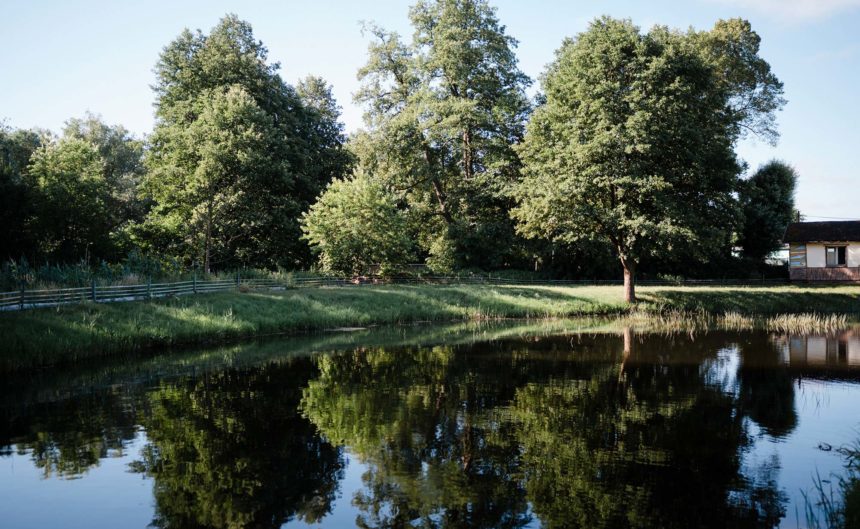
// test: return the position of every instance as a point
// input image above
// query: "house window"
(835, 256)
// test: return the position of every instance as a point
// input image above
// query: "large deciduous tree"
(634, 142)
(123, 169)
(218, 179)
(71, 200)
(17, 194)
(767, 199)
(237, 154)
(443, 113)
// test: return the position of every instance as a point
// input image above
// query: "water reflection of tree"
(575, 430)
(640, 451)
(592, 438)
(68, 437)
(429, 426)
(766, 387)
(228, 449)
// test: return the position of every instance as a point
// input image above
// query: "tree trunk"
(629, 280)
(627, 334)
(208, 243)
(437, 186)
(468, 164)
(440, 197)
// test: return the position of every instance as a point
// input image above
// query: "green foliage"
(237, 154)
(213, 459)
(88, 177)
(634, 142)
(356, 224)
(630, 152)
(443, 114)
(17, 194)
(211, 178)
(754, 93)
(767, 199)
(135, 268)
(123, 167)
(327, 155)
(73, 193)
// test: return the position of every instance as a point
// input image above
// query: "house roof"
(823, 231)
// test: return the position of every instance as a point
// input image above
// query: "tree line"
(626, 154)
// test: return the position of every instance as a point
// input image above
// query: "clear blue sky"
(61, 59)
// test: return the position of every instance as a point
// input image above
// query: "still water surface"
(486, 427)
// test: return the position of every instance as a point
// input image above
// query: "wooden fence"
(25, 299)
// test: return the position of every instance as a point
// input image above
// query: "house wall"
(815, 255)
(853, 256)
(854, 351)
(809, 262)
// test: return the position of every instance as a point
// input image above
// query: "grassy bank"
(77, 331)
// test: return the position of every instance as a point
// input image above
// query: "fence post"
(237, 279)
(21, 303)
(93, 289)
(149, 288)
(194, 282)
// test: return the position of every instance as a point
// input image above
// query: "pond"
(566, 425)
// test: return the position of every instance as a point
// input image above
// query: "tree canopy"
(356, 224)
(237, 154)
(627, 152)
(634, 142)
(443, 113)
(767, 199)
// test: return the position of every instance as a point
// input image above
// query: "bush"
(354, 225)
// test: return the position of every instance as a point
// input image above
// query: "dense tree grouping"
(626, 153)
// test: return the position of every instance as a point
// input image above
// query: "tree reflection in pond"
(68, 437)
(620, 431)
(429, 426)
(596, 436)
(639, 450)
(228, 449)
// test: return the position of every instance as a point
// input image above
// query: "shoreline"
(68, 333)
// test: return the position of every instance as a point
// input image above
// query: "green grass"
(788, 299)
(72, 332)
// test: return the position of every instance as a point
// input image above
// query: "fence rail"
(26, 299)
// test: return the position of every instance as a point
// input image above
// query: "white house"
(824, 251)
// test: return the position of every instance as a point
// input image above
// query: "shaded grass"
(45, 336)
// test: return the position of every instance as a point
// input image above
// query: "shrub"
(356, 224)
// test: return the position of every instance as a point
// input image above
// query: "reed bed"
(676, 320)
(807, 323)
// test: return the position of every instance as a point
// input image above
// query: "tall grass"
(92, 329)
(834, 503)
(807, 323)
(678, 320)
